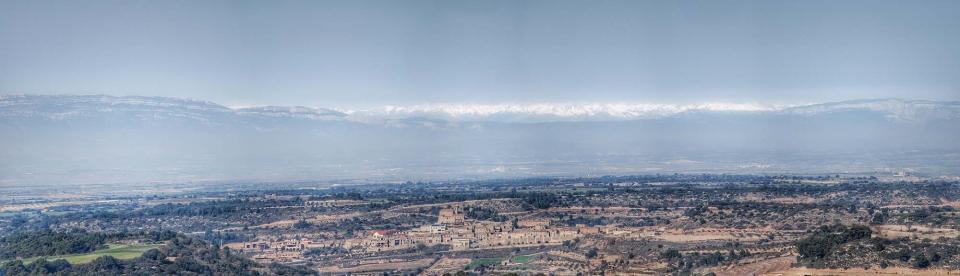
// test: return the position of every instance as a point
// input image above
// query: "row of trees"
(684, 263)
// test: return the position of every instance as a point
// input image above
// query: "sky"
(363, 53)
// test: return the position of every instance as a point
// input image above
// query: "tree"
(822, 242)
(591, 253)
(105, 263)
(58, 265)
(13, 268)
(671, 254)
(858, 232)
(301, 224)
(921, 261)
(153, 254)
(39, 267)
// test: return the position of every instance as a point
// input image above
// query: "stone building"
(451, 216)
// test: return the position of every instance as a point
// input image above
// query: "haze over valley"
(69, 140)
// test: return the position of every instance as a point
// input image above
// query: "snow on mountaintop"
(67, 106)
(552, 112)
(895, 110)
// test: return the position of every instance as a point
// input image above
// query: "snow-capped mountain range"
(548, 112)
(60, 107)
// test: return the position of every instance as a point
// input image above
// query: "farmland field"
(119, 251)
(484, 261)
(521, 259)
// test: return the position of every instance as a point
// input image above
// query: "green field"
(119, 251)
(568, 189)
(484, 261)
(57, 213)
(8, 214)
(520, 259)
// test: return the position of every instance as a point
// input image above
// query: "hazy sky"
(335, 53)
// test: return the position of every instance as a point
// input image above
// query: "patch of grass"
(521, 259)
(119, 251)
(8, 214)
(569, 189)
(57, 213)
(484, 261)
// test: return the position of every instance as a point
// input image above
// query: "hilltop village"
(629, 225)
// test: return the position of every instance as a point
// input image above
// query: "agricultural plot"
(119, 251)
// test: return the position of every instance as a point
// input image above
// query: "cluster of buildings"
(281, 250)
(453, 229)
(333, 203)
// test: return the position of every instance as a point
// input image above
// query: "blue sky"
(358, 53)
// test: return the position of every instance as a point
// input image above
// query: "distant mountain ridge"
(60, 107)
(897, 109)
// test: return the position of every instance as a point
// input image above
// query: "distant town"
(672, 224)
